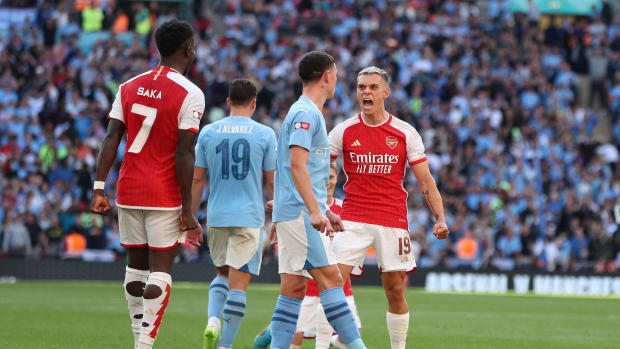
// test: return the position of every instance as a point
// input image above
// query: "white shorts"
(306, 322)
(301, 247)
(240, 248)
(392, 246)
(157, 229)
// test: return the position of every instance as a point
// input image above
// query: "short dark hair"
(313, 64)
(171, 35)
(241, 92)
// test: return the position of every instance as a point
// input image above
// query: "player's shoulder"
(208, 128)
(260, 127)
(302, 108)
(136, 79)
(354, 120)
(265, 130)
(186, 84)
(404, 127)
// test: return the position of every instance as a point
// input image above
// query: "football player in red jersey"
(376, 147)
(160, 110)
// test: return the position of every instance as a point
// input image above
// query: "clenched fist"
(190, 225)
(100, 204)
(440, 230)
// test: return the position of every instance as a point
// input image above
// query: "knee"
(152, 291)
(298, 290)
(222, 271)
(395, 292)
(135, 288)
(333, 280)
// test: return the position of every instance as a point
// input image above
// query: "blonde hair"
(375, 70)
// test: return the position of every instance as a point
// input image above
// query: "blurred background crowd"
(518, 109)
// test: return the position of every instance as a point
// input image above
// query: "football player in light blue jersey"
(236, 151)
(300, 213)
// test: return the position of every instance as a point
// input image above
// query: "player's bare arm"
(432, 197)
(334, 219)
(269, 177)
(301, 177)
(105, 160)
(184, 165)
(197, 186)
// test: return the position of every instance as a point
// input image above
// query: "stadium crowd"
(519, 114)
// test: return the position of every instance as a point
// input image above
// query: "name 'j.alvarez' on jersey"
(375, 159)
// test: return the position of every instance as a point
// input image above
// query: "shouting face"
(372, 90)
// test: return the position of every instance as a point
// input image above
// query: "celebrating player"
(299, 209)
(161, 111)
(236, 150)
(376, 146)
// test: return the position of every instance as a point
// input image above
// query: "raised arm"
(432, 197)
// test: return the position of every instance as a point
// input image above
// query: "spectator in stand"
(500, 100)
(15, 239)
(509, 245)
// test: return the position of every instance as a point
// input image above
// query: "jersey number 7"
(150, 114)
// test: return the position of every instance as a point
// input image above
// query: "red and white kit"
(374, 211)
(154, 106)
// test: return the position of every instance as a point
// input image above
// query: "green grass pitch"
(93, 315)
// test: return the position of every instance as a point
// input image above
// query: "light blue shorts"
(240, 248)
(301, 247)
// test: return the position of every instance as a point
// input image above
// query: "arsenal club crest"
(391, 142)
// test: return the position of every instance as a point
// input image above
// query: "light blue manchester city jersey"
(304, 126)
(235, 151)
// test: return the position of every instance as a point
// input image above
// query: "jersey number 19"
(240, 156)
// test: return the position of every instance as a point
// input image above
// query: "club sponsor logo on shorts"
(302, 125)
(391, 142)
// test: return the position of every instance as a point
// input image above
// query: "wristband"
(99, 185)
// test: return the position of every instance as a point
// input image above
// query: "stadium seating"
(518, 113)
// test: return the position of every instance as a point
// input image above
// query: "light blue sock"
(233, 314)
(340, 317)
(284, 322)
(218, 292)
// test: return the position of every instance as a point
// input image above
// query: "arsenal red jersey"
(154, 106)
(375, 159)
